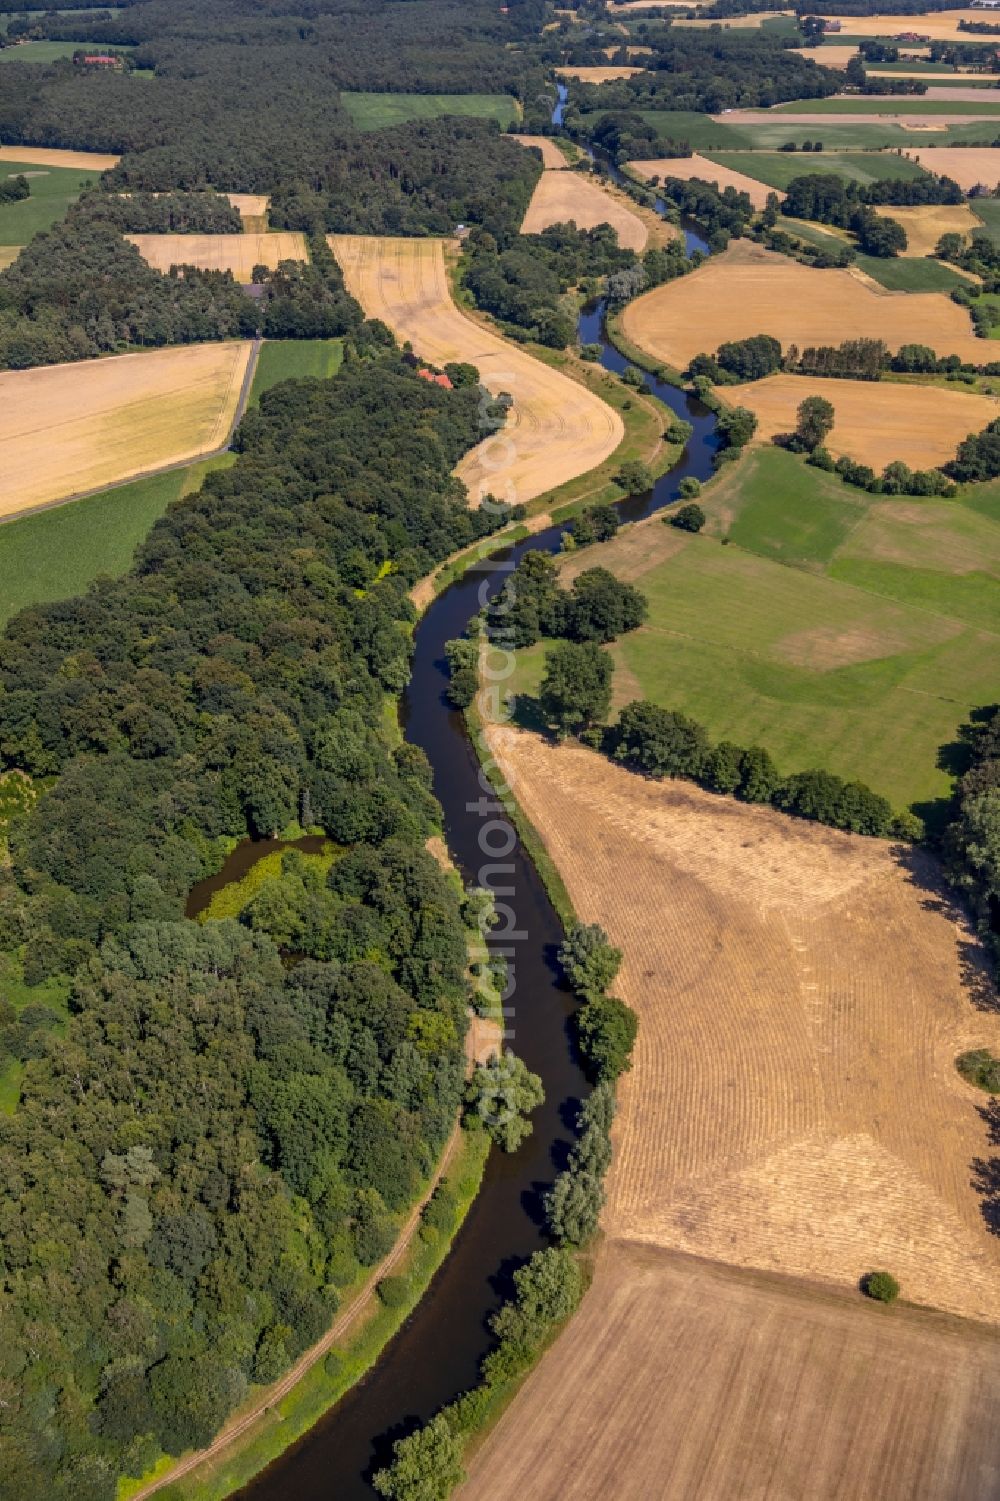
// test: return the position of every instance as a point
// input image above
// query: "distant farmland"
(373, 111)
(238, 253)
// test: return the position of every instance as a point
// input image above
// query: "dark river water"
(437, 1353)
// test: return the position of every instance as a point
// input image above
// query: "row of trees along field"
(213, 1143)
(82, 290)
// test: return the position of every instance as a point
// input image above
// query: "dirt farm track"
(557, 430)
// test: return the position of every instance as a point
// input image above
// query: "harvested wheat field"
(748, 290)
(8, 255)
(876, 421)
(833, 57)
(563, 196)
(252, 209)
(802, 995)
(552, 158)
(686, 167)
(682, 1381)
(926, 224)
(236, 253)
(557, 428)
(46, 156)
(969, 166)
(940, 27)
(597, 75)
(66, 429)
(609, 52)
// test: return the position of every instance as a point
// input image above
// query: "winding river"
(436, 1355)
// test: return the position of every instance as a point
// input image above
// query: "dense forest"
(216, 1142)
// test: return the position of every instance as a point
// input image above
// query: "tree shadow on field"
(924, 872)
(986, 1170)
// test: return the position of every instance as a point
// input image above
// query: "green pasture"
(777, 168)
(910, 273)
(372, 111)
(53, 189)
(57, 553)
(50, 52)
(294, 359)
(988, 209)
(899, 104)
(838, 629)
(840, 134)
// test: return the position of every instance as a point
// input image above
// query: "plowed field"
(564, 196)
(750, 291)
(802, 995)
(876, 422)
(557, 429)
(679, 1381)
(70, 428)
(236, 253)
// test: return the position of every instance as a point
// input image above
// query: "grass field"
(689, 1382)
(294, 359)
(763, 130)
(563, 196)
(238, 253)
(777, 168)
(53, 189)
(876, 422)
(558, 428)
(58, 553)
(47, 52)
(749, 291)
(835, 629)
(373, 111)
(897, 104)
(66, 429)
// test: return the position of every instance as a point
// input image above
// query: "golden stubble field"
(47, 156)
(686, 167)
(749, 290)
(561, 197)
(237, 253)
(682, 1381)
(65, 429)
(927, 222)
(876, 421)
(552, 158)
(802, 995)
(942, 27)
(969, 166)
(557, 429)
(598, 75)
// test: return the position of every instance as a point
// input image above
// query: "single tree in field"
(635, 477)
(589, 959)
(690, 518)
(814, 420)
(576, 688)
(882, 1286)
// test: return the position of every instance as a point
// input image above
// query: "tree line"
(214, 1142)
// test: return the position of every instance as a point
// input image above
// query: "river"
(437, 1353)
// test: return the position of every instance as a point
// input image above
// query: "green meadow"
(49, 52)
(777, 168)
(372, 111)
(839, 630)
(53, 189)
(294, 359)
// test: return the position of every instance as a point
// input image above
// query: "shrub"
(439, 1211)
(606, 1030)
(690, 487)
(393, 1291)
(980, 1068)
(690, 518)
(881, 1286)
